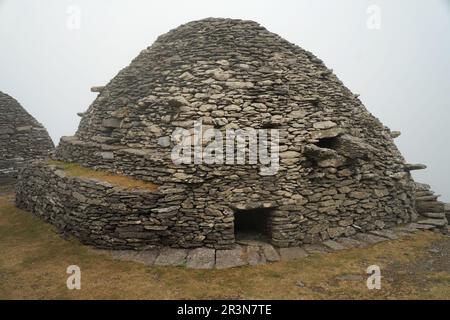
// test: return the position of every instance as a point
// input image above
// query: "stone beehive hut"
(340, 171)
(22, 138)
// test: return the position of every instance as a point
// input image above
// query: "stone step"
(434, 222)
(434, 215)
(428, 197)
(414, 166)
(334, 245)
(419, 194)
(291, 253)
(433, 206)
(422, 186)
(447, 207)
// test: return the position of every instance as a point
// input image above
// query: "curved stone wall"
(22, 138)
(340, 171)
(109, 216)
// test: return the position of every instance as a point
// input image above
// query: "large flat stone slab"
(385, 234)
(292, 253)
(255, 256)
(123, 255)
(350, 243)
(230, 258)
(201, 258)
(334, 245)
(421, 226)
(147, 257)
(434, 222)
(171, 257)
(369, 238)
(270, 253)
(434, 215)
(315, 248)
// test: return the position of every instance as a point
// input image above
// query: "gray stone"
(434, 222)
(270, 253)
(350, 243)
(230, 258)
(171, 257)
(315, 248)
(255, 256)
(147, 257)
(292, 253)
(164, 141)
(433, 215)
(324, 125)
(201, 258)
(339, 169)
(385, 233)
(333, 245)
(369, 238)
(112, 123)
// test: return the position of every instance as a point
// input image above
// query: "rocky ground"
(35, 258)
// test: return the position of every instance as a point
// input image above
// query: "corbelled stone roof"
(340, 171)
(22, 138)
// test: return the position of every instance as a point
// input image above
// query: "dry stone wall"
(340, 171)
(22, 138)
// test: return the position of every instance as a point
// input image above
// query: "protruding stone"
(97, 89)
(417, 166)
(324, 125)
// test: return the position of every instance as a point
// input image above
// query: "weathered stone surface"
(201, 258)
(434, 222)
(270, 253)
(369, 238)
(339, 170)
(22, 138)
(230, 258)
(292, 253)
(434, 215)
(333, 245)
(147, 257)
(255, 256)
(350, 243)
(315, 248)
(171, 257)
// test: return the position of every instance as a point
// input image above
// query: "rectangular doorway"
(254, 224)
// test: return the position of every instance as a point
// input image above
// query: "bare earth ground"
(34, 258)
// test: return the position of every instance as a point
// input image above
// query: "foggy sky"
(401, 71)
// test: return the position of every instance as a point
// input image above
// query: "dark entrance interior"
(253, 224)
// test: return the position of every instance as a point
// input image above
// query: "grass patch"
(34, 260)
(76, 170)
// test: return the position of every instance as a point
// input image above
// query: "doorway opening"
(254, 224)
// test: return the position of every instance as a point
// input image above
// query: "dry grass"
(34, 259)
(75, 170)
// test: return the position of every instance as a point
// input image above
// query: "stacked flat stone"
(22, 138)
(340, 171)
(432, 211)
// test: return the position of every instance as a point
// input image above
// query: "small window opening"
(328, 143)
